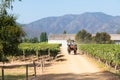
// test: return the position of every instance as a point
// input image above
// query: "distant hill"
(92, 22)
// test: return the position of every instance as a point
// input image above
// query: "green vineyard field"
(39, 49)
(107, 53)
(35, 49)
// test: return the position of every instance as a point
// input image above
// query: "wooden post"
(37, 53)
(49, 52)
(34, 69)
(24, 55)
(26, 72)
(2, 73)
(42, 65)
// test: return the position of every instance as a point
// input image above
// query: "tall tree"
(64, 32)
(83, 37)
(102, 38)
(43, 37)
(10, 32)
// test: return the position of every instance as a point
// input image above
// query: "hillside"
(92, 22)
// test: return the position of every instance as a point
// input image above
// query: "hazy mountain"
(92, 22)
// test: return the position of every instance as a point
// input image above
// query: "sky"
(28, 11)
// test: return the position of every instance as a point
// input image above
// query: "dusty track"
(75, 67)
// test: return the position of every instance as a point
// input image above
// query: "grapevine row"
(39, 49)
(107, 53)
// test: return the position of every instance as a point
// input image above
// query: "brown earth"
(75, 67)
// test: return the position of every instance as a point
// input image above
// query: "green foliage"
(31, 40)
(6, 4)
(25, 40)
(39, 48)
(10, 31)
(1, 51)
(43, 37)
(64, 32)
(118, 31)
(10, 34)
(83, 37)
(107, 53)
(102, 38)
(35, 40)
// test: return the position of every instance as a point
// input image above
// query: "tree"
(43, 37)
(30, 40)
(25, 39)
(64, 32)
(1, 51)
(83, 37)
(10, 34)
(6, 4)
(34, 40)
(102, 38)
(118, 31)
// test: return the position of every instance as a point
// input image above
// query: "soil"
(75, 67)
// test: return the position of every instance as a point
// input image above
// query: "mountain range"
(92, 22)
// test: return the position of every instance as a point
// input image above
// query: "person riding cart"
(72, 46)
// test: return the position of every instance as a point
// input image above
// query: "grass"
(14, 74)
(17, 73)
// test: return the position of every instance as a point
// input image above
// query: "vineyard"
(35, 49)
(107, 53)
(39, 49)
(32, 55)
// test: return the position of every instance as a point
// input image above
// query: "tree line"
(99, 38)
(43, 38)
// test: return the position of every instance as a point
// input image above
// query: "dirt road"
(75, 67)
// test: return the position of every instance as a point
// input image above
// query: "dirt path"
(75, 67)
